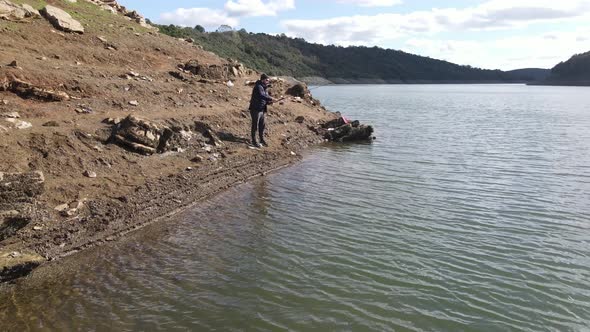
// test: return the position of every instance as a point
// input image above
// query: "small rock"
(197, 159)
(83, 109)
(62, 207)
(133, 74)
(50, 124)
(90, 174)
(11, 115)
(13, 64)
(207, 149)
(102, 39)
(37, 228)
(15, 254)
(293, 153)
(133, 103)
(4, 102)
(76, 205)
(97, 148)
(299, 119)
(189, 168)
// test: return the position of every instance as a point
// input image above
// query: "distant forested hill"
(281, 55)
(575, 71)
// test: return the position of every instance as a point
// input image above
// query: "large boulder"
(141, 136)
(13, 12)
(61, 20)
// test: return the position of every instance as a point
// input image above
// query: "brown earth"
(115, 62)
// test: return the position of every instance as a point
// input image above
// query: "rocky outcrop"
(141, 136)
(115, 8)
(13, 12)
(28, 90)
(61, 19)
(215, 72)
(18, 198)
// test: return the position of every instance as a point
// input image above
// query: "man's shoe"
(256, 145)
(263, 143)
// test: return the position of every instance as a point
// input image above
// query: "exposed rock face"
(12, 12)
(28, 90)
(61, 20)
(215, 72)
(141, 136)
(18, 195)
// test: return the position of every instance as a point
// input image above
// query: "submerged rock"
(342, 130)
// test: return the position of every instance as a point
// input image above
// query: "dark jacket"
(260, 98)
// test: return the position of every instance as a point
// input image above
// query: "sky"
(491, 34)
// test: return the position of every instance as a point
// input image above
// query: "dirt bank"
(62, 95)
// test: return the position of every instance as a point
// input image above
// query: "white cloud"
(209, 18)
(524, 51)
(257, 7)
(494, 14)
(373, 3)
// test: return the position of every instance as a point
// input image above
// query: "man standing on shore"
(258, 104)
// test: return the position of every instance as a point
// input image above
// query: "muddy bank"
(106, 130)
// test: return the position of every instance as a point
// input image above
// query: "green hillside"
(575, 71)
(281, 55)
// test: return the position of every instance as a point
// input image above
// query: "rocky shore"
(107, 126)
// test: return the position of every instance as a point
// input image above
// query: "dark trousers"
(257, 124)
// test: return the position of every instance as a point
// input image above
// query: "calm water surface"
(471, 212)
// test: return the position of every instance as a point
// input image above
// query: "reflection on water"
(470, 212)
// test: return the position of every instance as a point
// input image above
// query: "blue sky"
(493, 34)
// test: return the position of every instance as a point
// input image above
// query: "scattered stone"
(133, 103)
(4, 102)
(61, 19)
(293, 153)
(300, 119)
(89, 174)
(189, 168)
(97, 148)
(37, 228)
(13, 64)
(207, 149)
(133, 74)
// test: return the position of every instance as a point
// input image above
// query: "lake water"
(471, 212)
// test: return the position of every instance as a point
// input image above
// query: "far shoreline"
(321, 81)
